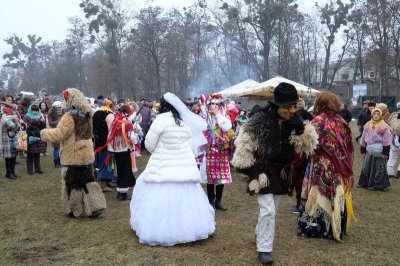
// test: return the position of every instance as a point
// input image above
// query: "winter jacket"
(34, 126)
(265, 147)
(172, 158)
(363, 117)
(346, 114)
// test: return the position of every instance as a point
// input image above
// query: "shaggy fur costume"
(264, 149)
(394, 122)
(81, 195)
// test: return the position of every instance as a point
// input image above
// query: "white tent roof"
(266, 89)
(242, 86)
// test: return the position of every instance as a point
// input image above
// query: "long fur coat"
(81, 194)
(264, 149)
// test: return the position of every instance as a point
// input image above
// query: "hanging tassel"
(349, 208)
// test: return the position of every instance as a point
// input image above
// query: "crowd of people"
(282, 148)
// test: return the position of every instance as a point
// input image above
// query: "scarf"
(31, 115)
(77, 113)
(335, 139)
(118, 128)
(375, 124)
(107, 106)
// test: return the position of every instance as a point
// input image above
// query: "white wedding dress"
(170, 213)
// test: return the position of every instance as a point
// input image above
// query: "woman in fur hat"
(81, 194)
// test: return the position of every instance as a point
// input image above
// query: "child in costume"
(81, 194)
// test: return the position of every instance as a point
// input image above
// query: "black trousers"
(124, 169)
(33, 159)
(214, 192)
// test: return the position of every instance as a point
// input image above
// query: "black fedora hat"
(285, 94)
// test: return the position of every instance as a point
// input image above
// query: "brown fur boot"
(104, 187)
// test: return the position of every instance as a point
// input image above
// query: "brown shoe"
(104, 187)
(107, 189)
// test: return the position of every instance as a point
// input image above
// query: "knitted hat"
(285, 94)
(57, 104)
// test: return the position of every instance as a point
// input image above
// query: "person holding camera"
(35, 123)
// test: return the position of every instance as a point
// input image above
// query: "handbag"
(21, 141)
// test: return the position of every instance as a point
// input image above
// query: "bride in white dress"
(168, 204)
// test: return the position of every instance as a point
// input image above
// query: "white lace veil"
(196, 124)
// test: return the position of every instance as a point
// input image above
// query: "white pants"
(394, 152)
(265, 229)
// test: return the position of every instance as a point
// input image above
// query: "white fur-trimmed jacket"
(172, 158)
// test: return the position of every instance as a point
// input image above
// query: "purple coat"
(145, 124)
(34, 127)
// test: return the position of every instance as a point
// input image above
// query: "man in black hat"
(264, 149)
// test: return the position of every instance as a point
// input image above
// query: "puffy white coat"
(172, 158)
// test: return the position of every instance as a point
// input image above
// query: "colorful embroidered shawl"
(335, 140)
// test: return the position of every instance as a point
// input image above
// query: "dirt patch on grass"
(6, 232)
(38, 253)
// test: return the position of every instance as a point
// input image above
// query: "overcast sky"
(49, 18)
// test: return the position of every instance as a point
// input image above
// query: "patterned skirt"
(217, 166)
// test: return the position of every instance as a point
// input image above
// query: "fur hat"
(74, 99)
(383, 107)
(285, 94)
(300, 104)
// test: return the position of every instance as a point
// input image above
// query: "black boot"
(218, 197)
(13, 163)
(122, 196)
(36, 160)
(265, 257)
(9, 174)
(211, 194)
(57, 163)
(29, 163)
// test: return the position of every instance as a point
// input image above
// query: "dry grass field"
(34, 231)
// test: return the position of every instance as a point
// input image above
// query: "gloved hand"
(33, 139)
(297, 123)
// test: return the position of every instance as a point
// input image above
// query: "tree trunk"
(326, 65)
